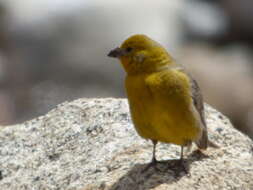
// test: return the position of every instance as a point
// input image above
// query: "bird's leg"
(180, 164)
(153, 161)
(182, 154)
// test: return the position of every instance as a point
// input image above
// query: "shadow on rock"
(166, 172)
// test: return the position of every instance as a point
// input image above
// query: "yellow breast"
(159, 116)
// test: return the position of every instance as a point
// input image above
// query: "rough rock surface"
(91, 144)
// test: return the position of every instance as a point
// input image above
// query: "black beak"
(117, 52)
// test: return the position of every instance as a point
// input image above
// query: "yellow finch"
(165, 102)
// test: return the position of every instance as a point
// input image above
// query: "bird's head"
(140, 54)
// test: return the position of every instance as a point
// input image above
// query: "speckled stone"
(91, 144)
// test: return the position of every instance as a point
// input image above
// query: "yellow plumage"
(160, 105)
(165, 102)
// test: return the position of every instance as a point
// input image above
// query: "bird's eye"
(129, 49)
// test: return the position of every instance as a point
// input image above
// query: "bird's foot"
(179, 166)
(152, 164)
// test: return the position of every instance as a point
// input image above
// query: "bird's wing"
(197, 98)
(198, 104)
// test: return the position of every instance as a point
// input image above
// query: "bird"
(165, 101)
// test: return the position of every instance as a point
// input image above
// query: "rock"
(91, 144)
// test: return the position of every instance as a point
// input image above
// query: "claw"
(152, 164)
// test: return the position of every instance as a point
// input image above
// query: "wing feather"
(197, 98)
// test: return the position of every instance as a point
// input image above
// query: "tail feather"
(212, 144)
(202, 143)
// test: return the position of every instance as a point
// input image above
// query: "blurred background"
(55, 51)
